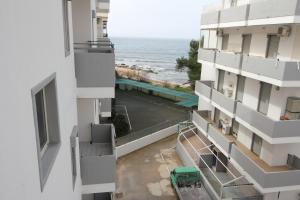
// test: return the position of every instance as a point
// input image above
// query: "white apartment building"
(57, 80)
(249, 92)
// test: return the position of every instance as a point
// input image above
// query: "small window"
(42, 119)
(45, 110)
(66, 27)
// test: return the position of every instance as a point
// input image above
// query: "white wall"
(87, 114)
(210, 39)
(251, 93)
(208, 72)
(235, 42)
(258, 45)
(32, 48)
(245, 136)
(278, 100)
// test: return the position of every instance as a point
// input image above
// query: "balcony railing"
(98, 157)
(210, 18)
(204, 88)
(95, 64)
(100, 46)
(208, 55)
(222, 140)
(247, 11)
(272, 128)
(274, 8)
(229, 59)
(235, 14)
(265, 176)
(202, 119)
(271, 68)
(223, 102)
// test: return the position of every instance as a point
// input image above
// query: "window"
(66, 27)
(264, 97)
(45, 110)
(42, 120)
(273, 44)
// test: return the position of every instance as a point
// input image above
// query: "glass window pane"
(41, 118)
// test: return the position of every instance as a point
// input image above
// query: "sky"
(156, 18)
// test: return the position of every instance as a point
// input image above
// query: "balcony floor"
(95, 149)
(259, 161)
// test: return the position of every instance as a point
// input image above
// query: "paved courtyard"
(144, 175)
(148, 113)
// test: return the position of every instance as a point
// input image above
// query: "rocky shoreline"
(141, 74)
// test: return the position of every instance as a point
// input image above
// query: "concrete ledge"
(144, 141)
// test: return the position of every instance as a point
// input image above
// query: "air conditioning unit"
(220, 33)
(284, 31)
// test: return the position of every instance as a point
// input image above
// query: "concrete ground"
(148, 113)
(144, 175)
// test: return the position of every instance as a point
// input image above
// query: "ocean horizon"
(156, 54)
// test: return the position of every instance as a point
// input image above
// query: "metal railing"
(220, 186)
(95, 46)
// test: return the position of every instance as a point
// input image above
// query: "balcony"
(266, 176)
(95, 64)
(280, 73)
(98, 158)
(273, 9)
(273, 129)
(225, 104)
(208, 55)
(222, 140)
(229, 61)
(202, 120)
(220, 178)
(234, 16)
(210, 19)
(204, 88)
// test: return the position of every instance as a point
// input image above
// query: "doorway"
(246, 44)
(273, 45)
(256, 144)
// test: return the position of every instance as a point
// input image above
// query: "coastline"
(138, 74)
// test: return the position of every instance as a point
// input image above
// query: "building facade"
(249, 92)
(58, 81)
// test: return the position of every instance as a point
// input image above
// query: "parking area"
(148, 114)
(144, 174)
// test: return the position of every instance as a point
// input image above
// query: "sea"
(157, 55)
